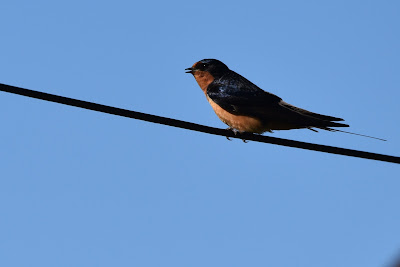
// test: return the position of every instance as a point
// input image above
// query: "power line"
(194, 126)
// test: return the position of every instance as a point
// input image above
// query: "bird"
(245, 107)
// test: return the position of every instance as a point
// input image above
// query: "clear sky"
(81, 188)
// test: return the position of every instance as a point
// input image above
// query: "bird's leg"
(235, 131)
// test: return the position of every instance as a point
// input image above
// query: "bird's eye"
(203, 66)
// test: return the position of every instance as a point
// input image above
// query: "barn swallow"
(245, 107)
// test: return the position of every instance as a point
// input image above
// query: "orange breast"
(239, 122)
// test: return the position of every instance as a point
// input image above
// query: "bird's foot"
(235, 131)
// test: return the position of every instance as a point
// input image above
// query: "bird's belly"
(239, 122)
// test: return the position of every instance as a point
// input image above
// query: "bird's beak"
(189, 70)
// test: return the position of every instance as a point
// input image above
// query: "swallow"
(245, 107)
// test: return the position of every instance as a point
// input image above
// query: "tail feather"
(309, 113)
(335, 124)
(336, 130)
(320, 121)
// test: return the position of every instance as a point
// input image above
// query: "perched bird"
(244, 107)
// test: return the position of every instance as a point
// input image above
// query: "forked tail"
(335, 130)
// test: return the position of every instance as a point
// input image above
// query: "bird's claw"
(235, 131)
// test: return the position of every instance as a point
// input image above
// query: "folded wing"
(239, 96)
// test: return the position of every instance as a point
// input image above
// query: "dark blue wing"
(239, 96)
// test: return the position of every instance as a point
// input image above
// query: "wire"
(194, 126)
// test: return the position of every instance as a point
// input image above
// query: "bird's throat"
(203, 78)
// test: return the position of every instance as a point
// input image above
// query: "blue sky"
(80, 188)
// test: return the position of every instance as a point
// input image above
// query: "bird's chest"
(239, 122)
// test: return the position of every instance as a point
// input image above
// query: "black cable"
(194, 126)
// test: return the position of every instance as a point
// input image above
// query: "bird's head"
(215, 67)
